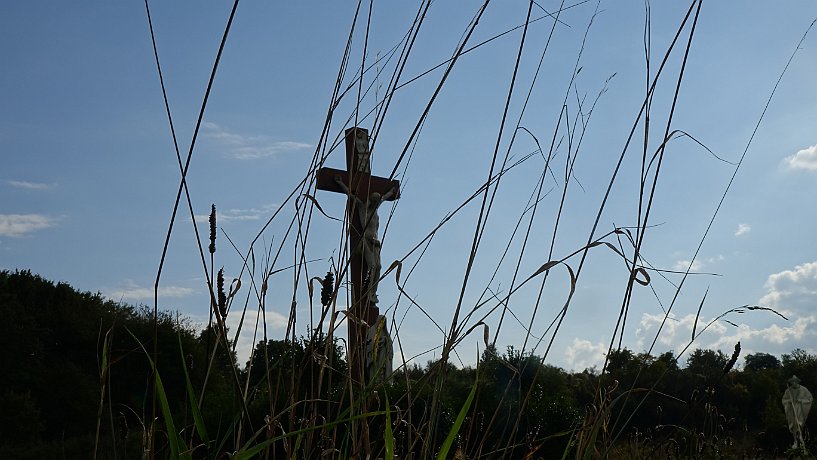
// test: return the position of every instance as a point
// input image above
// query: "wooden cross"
(365, 193)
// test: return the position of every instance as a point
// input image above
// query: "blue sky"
(90, 175)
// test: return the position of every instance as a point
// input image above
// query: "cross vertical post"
(365, 193)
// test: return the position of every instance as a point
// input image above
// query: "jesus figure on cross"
(369, 247)
(365, 193)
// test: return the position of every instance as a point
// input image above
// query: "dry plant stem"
(430, 235)
(505, 309)
(437, 90)
(569, 174)
(551, 154)
(720, 203)
(363, 57)
(484, 42)
(110, 399)
(261, 296)
(183, 182)
(568, 165)
(642, 226)
(414, 30)
(737, 167)
(477, 193)
(104, 367)
(444, 78)
(309, 179)
(647, 52)
(536, 197)
(380, 108)
(537, 189)
(563, 312)
(513, 138)
(303, 183)
(482, 214)
(386, 58)
(641, 230)
(484, 210)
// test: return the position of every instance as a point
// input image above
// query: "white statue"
(369, 247)
(379, 352)
(797, 403)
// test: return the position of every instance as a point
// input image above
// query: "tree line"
(77, 378)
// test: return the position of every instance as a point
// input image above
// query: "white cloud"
(683, 265)
(583, 354)
(248, 147)
(250, 333)
(133, 291)
(29, 185)
(774, 334)
(698, 264)
(275, 320)
(743, 229)
(239, 214)
(676, 333)
(805, 159)
(250, 322)
(793, 293)
(16, 225)
(792, 290)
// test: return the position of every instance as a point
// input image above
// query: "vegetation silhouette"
(53, 343)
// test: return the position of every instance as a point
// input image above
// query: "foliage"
(761, 361)
(299, 403)
(51, 344)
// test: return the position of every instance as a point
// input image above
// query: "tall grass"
(308, 403)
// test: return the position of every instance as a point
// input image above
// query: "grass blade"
(173, 438)
(389, 441)
(249, 451)
(449, 440)
(201, 429)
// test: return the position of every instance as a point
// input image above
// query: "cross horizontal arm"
(364, 185)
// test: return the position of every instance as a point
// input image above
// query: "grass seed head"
(213, 229)
(222, 297)
(327, 288)
(732, 360)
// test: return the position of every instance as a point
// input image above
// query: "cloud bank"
(677, 332)
(248, 147)
(683, 265)
(26, 185)
(792, 290)
(17, 225)
(583, 354)
(239, 214)
(743, 229)
(133, 291)
(276, 323)
(805, 159)
(698, 264)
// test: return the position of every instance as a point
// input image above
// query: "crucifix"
(365, 194)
